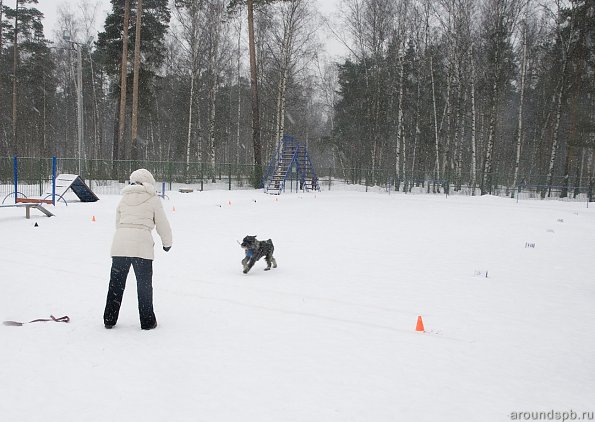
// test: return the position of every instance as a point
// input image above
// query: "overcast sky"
(50, 9)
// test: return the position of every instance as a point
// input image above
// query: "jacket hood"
(142, 176)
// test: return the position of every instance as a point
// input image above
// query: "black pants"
(143, 269)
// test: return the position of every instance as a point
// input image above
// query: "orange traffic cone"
(420, 324)
(93, 219)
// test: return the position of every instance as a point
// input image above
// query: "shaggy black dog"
(255, 250)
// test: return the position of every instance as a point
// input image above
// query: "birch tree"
(190, 15)
(217, 52)
(290, 42)
(521, 101)
(400, 40)
(2, 131)
(565, 43)
(370, 24)
(500, 18)
(473, 166)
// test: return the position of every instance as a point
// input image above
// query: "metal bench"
(28, 204)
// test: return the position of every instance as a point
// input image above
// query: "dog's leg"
(245, 262)
(250, 265)
(270, 260)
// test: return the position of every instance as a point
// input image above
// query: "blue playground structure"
(290, 167)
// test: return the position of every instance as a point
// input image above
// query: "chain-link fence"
(530, 187)
(109, 176)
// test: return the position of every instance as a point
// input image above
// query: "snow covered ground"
(329, 335)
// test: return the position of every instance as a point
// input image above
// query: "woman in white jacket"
(139, 211)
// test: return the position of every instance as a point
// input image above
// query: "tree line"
(475, 93)
(481, 93)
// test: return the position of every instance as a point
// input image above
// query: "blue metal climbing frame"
(290, 166)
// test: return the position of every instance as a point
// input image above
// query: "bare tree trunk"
(96, 136)
(459, 149)
(486, 184)
(446, 167)
(199, 145)
(520, 115)
(567, 163)
(118, 147)
(239, 93)
(283, 75)
(591, 172)
(115, 152)
(473, 129)
(137, 42)
(417, 130)
(458, 129)
(255, 108)
(554, 150)
(213, 72)
(152, 134)
(565, 52)
(281, 106)
(399, 125)
(190, 111)
(437, 141)
(44, 126)
(369, 114)
(404, 161)
(581, 171)
(281, 86)
(2, 103)
(212, 97)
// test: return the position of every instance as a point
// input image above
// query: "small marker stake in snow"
(173, 209)
(530, 245)
(93, 219)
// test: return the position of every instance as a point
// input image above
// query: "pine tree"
(155, 21)
(26, 73)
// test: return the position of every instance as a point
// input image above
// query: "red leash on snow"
(65, 318)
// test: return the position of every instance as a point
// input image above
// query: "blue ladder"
(290, 162)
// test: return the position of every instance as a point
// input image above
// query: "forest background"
(481, 93)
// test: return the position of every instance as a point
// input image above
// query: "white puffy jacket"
(139, 211)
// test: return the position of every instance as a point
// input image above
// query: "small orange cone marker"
(93, 219)
(420, 324)
(174, 209)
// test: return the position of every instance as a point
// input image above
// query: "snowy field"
(329, 335)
